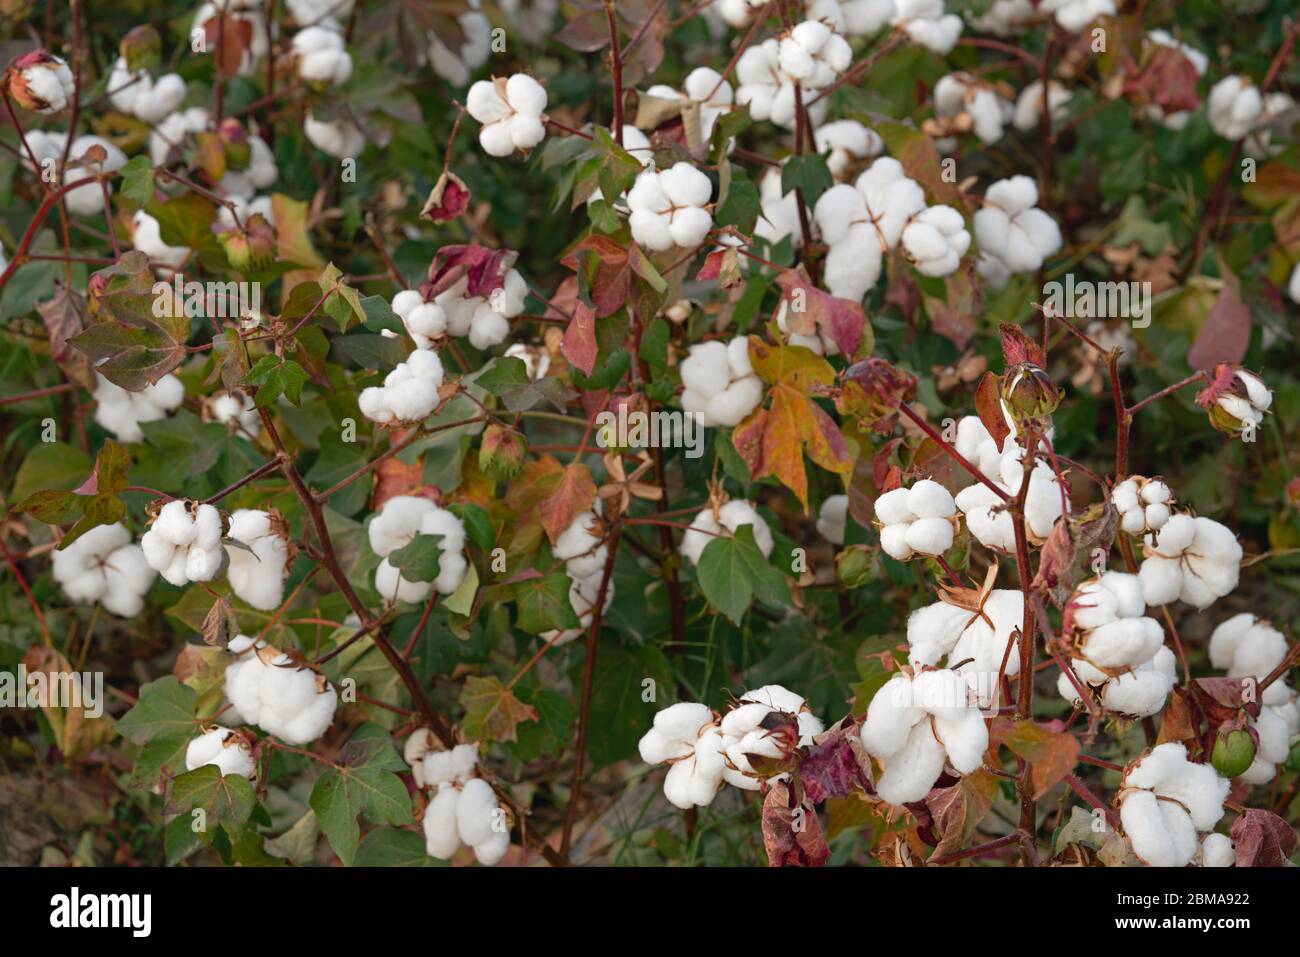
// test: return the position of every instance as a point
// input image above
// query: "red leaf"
(580, 338)
(485, 269)
(1168, 80)
(574, 494)
(792, 836)
(1017, 347)
(1225, 334)
(988, 404)
(1262, 839)
(839, 319)
(832, 769)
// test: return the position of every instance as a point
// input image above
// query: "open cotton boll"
(1217, 851)
(104, 566)
(674, 732)
(409, 393)
(916, 519)
(122, 412)
(441, 827)
(455, 766)
(925, 23)
(1004, 18)
(184, 542)
(268, 689)
(41, 82)
(397, 523)
(704, 86)
(1139, 693)
(476, 811)
(1234, 107)
(1012, 230)
(705, 527)
(846, 142)
(780, 212)
(1248, 646)
(991, 524)
(935, 240)
(536, 360)
(402, 518)
(1275, 727)
(974, 644)
(813, 54)
(511, 111)
(768, 90)
(960, 95)
(236, 411)
(341, 138)
(258, 570)
(456, 64)
(738, 13)
(977, 446)
(685, 736)
(261, 173)
(891, 197)
(668, 207)
(852, 18)
(146, 236)
(854, 261)
(1193, 559)
(1105, 624)
(1163, 833)
(226, 749)
(424, 321)
(1074, 15)
(720, 387)
(832, 518)
(322, 56)
(171, 133)
(1029, 105)
(1293, 287)
(1143, 504)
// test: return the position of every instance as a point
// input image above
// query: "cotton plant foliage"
(824, 432)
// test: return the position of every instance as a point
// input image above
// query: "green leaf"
(418, 561)
(227, 799)
(275, 376)
(807, 173)
(137, 181)
(478, 525)
(363, 784)
(503, 375)
(491, 709)
(741, 207)
(389, 847)
(543, 603)
(163, 722)
(52, 506)
(732, 570)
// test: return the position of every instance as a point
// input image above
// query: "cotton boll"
(511, 111)
(911, 772)
(736, 513)
(1074, 15)
(1247, 646)
(718, 390)
(322, 56)
(1217, 851)
(1163, 832)
(668, 207)
(184, 542)
(223, 748)
(258, 570)
(935, 240)
(926, 24)
(890, 717)
(494, 849)
(832, 518)
(455, 65)
(846, 142)
(146, 236)
(409, 392)
(1194, 559)
(1293, 286)
(341, 139)
(1234, 107)
(441, 828)
(853, 267)
(1161, 836)
(475, 812)
(1012, 230)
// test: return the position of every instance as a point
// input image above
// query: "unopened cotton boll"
(1234, 107)
(1144, 504)
(322, 56)
(935, 240)
(832, 518)
(1074, 15)
(1239, 406)
(341, 138)
(227, 750)
(925, 23)
(409, 393)
(706, 527)
(511, 111)
(1012, 230)
(104, 566)
(146, 236)
(668, 208)
(1163, 833)
(456, 65)
(915, 726)
(1194, 559)
(846, 142)
(122, 412)
(720, 387)
(257, 571)
(1029, 105)
(184, 542)
(142, 96)
(916, 520)
(243, 184)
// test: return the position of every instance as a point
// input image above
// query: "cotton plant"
(920, 520)
(257, 557)
(1166, 801)
(926, 24)
(409, 394)
(268, 688)
(705, 87)
(512, 113)
(1144, 504)
(463, 808)
(917, 725)
(230, 752)
(1237, 401)
(725, 521)
(104, 565)
(1247, 646)
(184, 542)
(123, 412)
(1014, 235)
(1193, 559)
(582, 548)
(321, 56)
(720, 385)
(669, 208)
